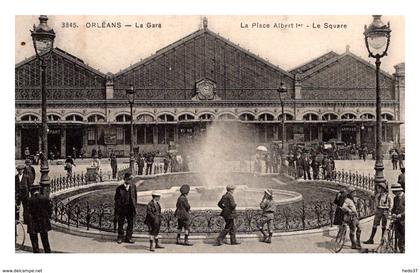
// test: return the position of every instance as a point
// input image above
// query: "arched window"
(53, 117)
(227, 116)
(348, 116)
(166, 118)
(29, 118)
(265, 117)
(329, 116)
(286, 116)
(367, 116)
(123, 118)
(74, 118)
(185, 117)
(247, 117)
(145, 118)
(310, 116)
(206, 117)
(387, 116)
(96, 118)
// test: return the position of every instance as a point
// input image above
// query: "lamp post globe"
(377, 39)
(43, 41)
(130, 92)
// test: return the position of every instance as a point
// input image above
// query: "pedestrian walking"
(114, 165)
(29, 170)
(140, 164)
(22, 187)
(39, 214)
(339, 201)
(125, 208)
(153, 221)
(306, 164)
(149, 163)
(166, 163)
(182, 212)
(228, 206)
(395, 158)
(398, 213)
(268, 207)
(401, 178)
(27, 153)
(382, 208)
(68, 166)
(74, 153)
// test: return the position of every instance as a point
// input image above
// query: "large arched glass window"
(74, 117)
(206, 117)
(145, 118)
(310, 116)
(166, 118)
(265, 117)
(123, 118)
(96, 118)
(29, 118)
(367, 116)
(329, 116)
(247, 117)
(348, 116)
(286, 116)
(185, 117)
(387, 116)
(227, 116)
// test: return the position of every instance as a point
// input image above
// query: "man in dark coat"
(339, 201)
(125, 208)
(39, 214)
(182, 212)
(22, 186)
(29, 170)
(401, 178)
(398, 213)
(306, 162)
(153, 220)
(140, 164)
(114, 165)
(228, 206)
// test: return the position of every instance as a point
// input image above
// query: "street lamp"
(377, 38)
(130, 95)
(282, 90)
(43, 41)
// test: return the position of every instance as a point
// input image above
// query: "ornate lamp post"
(43, 40)
(130, 95)
(282, 90)
(377, 38)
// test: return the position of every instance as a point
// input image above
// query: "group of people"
(125, 211)
(385, 209)
(316, 163)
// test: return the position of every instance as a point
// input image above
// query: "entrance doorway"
(29, 138)
(74, 138)
(348, 135)
(54, 142)
(329, 132)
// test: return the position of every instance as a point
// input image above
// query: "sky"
(112, 49)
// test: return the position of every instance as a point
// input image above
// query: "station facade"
(196, 81)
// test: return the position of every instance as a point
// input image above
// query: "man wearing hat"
(39, 214)
(228, 206)
(401, 178)
(351, 218)
(125, 207)
(29, 170)
(398, 213)
(153, 220)
(182, 212)
(22, 187)
(382, 208)
(268, 206)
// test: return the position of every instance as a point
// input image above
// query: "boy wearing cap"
(125, 208)
(228, 206)
(398, 213)
(382, 208)
(39, 214)
(351, 218)
(153, 220)
(268, 206)
(182, 212)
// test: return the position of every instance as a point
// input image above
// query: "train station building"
(198, 80)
